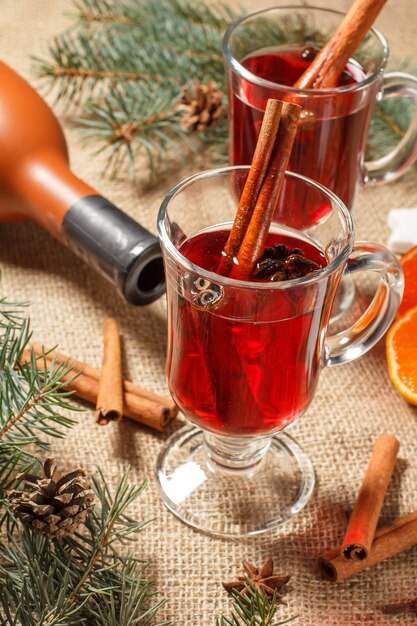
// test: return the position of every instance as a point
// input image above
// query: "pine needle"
(390, 118)
(253, 608)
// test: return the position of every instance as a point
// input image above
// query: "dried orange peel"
(401, 348)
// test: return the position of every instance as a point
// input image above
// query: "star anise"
(263, 580)
(282, 263)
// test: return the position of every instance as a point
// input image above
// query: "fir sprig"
(86, 578)
(83, 579)
(104, 12)
(120, 73)
(134, 124)
(253, 608)
(390, 118)
(12, 314)
(164, 42)
(31, 399)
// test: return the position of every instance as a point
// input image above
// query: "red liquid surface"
(331, 137)
(250, 364)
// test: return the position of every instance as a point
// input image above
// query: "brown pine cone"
(202, 108)
(55, 508)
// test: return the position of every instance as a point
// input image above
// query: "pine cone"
(55, 508)
(202, 107)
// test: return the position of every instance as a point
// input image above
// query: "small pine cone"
(55, 508)
(202, 108)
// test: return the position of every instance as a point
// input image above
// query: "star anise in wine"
(282, 263)
(263, 579)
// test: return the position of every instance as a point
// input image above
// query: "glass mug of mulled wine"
(265, 53)
(244, 356)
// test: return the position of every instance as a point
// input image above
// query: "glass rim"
(246, 284)
(245, 73)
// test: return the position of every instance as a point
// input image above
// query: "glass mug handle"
(397, 161)
(368, 329)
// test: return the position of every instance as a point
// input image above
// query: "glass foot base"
(228, 503)
(344, 298)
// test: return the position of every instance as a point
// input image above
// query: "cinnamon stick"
(93, 372)
(260, 161)
(143, 410)
(330, 62)
(257, 231)
(364, 519)
(389, 541)
(109, 406)
(402, 607)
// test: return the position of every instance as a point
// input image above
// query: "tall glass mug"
(244, 357)
(266, 52)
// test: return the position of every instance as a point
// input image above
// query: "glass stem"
(238, 455)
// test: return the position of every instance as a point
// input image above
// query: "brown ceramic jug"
(36, 183)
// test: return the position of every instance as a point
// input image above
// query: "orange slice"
(401, 346)
(409, 265)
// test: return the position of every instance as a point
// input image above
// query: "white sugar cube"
(403, 224)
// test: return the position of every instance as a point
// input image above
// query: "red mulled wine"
(331, 134)
(249, 362)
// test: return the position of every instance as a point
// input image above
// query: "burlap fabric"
(353, 405)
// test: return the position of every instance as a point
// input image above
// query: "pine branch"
(129, 12)
(253, 608)
(168, 46)
(128, 101)
(11, 314)
(390, 119)
(82, 68)
(128, 126)
(82, 579)
(127, 52)
(30, 398)
(101, 12)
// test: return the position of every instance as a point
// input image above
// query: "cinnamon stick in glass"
(257, 230)
(330, 62)
(155, 414)
(109, 406)
(364, 519)
(260, 162)
(389, 541)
